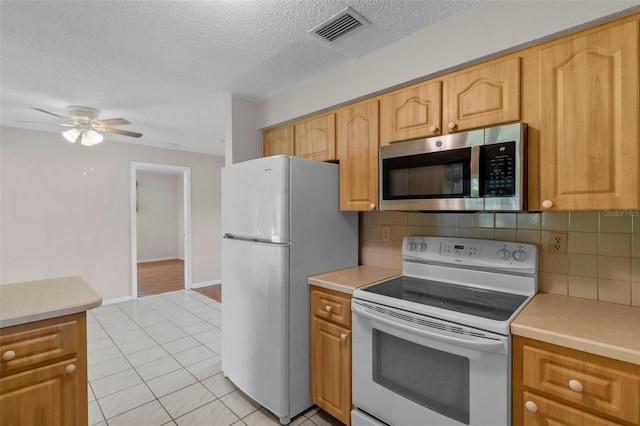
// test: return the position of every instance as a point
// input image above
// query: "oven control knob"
(412, 246)
(422, 246)
(531, 406)
(520, 255)
(504, 254)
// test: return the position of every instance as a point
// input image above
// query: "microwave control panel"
(499, 177)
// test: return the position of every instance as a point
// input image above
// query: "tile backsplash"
(602, 259)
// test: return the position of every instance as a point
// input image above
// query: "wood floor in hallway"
(160, 277)
(211, 291)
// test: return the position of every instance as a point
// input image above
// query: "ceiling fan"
(86, 127)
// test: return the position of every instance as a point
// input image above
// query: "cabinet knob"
(452, 125)
(531, 406)
(8, 355)
(576, 385)
(372, 206)
(547, 204)
(433, 129)
(327, 308)
(70, 368)
(343, 336)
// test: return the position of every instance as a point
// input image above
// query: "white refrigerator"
(282, 223)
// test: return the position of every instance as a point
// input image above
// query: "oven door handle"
(487, 345)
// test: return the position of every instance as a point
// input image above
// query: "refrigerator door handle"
(251, 239)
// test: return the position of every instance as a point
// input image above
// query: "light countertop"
(600, 328)
(43, 299)
(347, 280)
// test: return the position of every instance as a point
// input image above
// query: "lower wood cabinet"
(331, 352)
(554, 385)
(43, 369)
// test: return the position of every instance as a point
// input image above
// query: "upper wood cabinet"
(315, 138)
(411, 113)
(357, 141)
(589, 157)
(486, 95)
(278, 141)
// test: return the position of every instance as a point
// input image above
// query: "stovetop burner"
(489, 304)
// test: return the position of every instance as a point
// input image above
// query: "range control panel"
(471, 252)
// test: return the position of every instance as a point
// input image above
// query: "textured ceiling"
(166, 66)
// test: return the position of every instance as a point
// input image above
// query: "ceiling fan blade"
(50, 113)
(111, 122)
(121, 132)
(43, 122)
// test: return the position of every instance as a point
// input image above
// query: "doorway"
(160, 232)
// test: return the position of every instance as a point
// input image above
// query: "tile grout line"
(169, 355)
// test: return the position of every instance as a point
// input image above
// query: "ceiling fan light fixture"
(90, 137)
(71, 135)
(87, 137)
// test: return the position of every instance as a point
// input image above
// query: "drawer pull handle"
(576, 385)
(343, 336)
(70, 368)
(8, 355)
(531, 406)
(327, 308)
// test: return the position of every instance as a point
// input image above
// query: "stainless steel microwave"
(470, 171)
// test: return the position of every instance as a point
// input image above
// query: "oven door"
(414, 370)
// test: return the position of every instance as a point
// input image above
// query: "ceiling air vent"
(347, 21)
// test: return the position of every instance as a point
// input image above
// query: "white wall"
(483, 29)
(159, 205)
(242, 140)
(65, 209)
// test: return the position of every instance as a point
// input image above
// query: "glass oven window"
(432, 378)
(443, 174)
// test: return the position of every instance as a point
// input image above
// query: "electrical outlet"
(558, 243)
(386, 233)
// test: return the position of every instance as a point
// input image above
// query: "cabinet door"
(485, 96)
(357, 139)
(278, 141)
(316, 138)
(411, 113)
(43, 396)
(331, 368)
(589, 121)
(541, 411)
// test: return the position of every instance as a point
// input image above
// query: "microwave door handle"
(487, 345)
(475, 172)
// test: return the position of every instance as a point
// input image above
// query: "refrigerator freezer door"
(255, 199)
(255, 321)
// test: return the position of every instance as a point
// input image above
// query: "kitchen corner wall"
(603, 251)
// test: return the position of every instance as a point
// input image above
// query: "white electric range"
(433, 347)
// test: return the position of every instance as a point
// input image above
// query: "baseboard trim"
(117, 300)
(158, 259)
(206, 283)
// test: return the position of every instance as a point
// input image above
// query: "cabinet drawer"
(331, 306)
(23, 347)
(595, 387)
(547, 412)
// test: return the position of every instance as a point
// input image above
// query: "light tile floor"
(157, 361)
